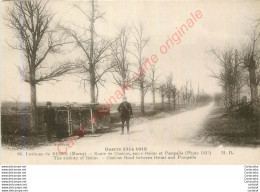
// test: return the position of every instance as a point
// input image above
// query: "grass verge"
(221, 128)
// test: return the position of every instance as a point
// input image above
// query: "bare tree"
(185, 93)
(168, 88)
(250, 58)
(139, 44)
(94, 49)
(119, 50)
(174, 95)
(230, 77)
(154, 82)
(32, 22)
(178, 94)
(162, 93)
(171, 91)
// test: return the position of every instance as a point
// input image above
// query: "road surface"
(173, 134)
(172, 130)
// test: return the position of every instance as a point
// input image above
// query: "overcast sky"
(223, 23)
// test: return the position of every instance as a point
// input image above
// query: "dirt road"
(168, 140)
(173, 130)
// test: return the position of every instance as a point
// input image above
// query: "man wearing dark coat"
(49, 119)
(125, 110)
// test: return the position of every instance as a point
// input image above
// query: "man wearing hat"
(125, 109)
(49, 119)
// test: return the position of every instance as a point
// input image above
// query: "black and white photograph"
(130, 82)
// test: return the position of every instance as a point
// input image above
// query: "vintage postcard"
(130, 82)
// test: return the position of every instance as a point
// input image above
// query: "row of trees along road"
(184, 96)
(240, 69)
(39, 36)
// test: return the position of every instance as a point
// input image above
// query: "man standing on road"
(125, 109)
(49, 119)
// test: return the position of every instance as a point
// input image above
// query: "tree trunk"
(153, 86)
(96, 99)
(254, 95)
(178, 100)
(253, 84)
(162, 98)
(169, 101)
(174, 102)
(92, 88)
(123, 83)
(34, 114)
(91, 63)
(142, 98)
(153, 97)
(174, 99)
